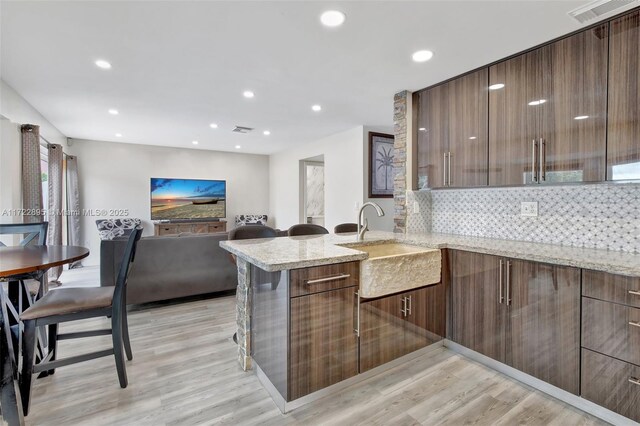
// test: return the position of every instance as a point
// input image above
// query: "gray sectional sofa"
(169, 267)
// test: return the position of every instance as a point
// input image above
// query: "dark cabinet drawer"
(611, 383)
(610, 287)
(611, 329)
(323, 278)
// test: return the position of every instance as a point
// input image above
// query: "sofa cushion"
(114, 228)
(251, 219)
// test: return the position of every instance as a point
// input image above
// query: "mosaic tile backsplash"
(603, 216)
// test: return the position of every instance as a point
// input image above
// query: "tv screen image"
(173, 199)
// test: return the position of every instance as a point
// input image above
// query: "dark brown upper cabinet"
(452, 133)
(623, 156)
(433, 136)
(548, 112)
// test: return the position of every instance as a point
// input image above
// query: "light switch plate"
(416, 207)
(529, 209)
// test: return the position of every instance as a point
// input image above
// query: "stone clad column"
(243, 313)
(400, 112)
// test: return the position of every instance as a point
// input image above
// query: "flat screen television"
(188, 199)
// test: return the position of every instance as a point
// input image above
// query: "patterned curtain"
(54, 237)
(73, 204)
(31, 173)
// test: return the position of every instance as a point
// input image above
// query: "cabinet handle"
(327, 279)
(635, 292)
(634, 323)
(500, 271)
(444, 169)
(534, 173)
(508, 282)
(409, 299)
(634, 381)
(542, 176)
(403, 308)
(449, 170)
(356, 328)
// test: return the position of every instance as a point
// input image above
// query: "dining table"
(18, 263)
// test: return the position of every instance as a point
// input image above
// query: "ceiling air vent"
(241, 129)
(598, 9)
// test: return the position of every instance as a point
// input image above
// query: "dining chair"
(10, 399)
(345, 227)
(250, 232)
(307, 229)
(72, 304)
(21, 294)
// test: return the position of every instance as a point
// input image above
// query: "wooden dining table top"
(21, 260)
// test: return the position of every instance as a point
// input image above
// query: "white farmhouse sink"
(395, 267)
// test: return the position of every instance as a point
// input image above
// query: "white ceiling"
(178, 66)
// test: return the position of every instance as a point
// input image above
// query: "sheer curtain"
(54, 237)
(73, 204)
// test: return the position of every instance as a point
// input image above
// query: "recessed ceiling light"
(496, 86)
(422, 129)
(248, 94)
(472, 137)
(332, 18)
(266, 133)
(113, 111)
(538, 102)
(238, 147)
(101, 63)
(581, 117)
(194, 142)
(118, 135)
(213, 125)
(422, 56)
(316, 108)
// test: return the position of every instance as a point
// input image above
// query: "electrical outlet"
(416, 207)
(529, 209)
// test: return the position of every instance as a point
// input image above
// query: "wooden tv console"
(191, 227)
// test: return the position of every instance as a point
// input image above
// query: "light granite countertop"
(276, 254)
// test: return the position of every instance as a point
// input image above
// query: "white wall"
(116, 176)
(14, 111)
(18, 110)
(384, 223)
(343, 153)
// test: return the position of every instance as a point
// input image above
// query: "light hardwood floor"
(184, 372)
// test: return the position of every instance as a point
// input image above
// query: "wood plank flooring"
(184, 372)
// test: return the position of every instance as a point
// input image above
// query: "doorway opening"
(312, 188)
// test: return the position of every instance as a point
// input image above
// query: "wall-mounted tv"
(188, 199)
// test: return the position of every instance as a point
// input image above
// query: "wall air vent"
(241, 129)
(600, 9)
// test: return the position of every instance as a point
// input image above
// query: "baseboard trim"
(288, 406)
(560, 394)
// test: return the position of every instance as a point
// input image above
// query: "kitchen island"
(306, 341)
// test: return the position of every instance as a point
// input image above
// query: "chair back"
(11, 399)
(248, 232)
(345, 227)
(34, 233)
(307, 229)
(127, 259)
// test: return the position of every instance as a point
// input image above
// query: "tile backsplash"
(604, 216)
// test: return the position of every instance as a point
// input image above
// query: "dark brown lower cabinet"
(611, 383)
(543, 337)
(323, 348)
(399, 324)
(525, 314)
(478, 316)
